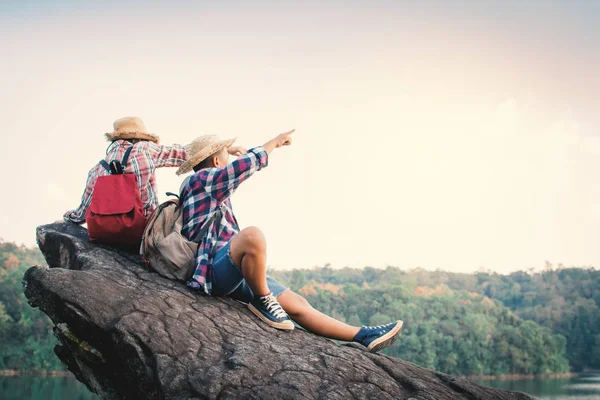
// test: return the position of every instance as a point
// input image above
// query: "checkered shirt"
(204, 193)
(145, 157)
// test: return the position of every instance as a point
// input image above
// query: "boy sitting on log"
(232, 262)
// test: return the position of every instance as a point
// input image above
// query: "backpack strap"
(114, 167)
(126, 156)
(105, 165)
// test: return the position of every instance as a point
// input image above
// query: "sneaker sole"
(386, 340)
(277, 325)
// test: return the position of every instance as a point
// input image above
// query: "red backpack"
(116, 215)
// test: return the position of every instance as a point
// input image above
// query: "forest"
(531, 323)
(26, 336)
(486, 323)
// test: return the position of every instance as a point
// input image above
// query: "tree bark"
(128, 333)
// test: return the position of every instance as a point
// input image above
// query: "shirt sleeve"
(78, 215)
(220, 183)
(167, 156)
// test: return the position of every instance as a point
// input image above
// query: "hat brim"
(112, 136)
(206, 152)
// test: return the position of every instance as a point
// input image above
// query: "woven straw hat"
(130, 128)
(202, 148)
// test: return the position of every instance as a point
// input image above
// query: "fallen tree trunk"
(128, 333)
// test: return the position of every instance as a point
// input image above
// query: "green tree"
(25, 333)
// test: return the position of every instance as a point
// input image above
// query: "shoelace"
(377, 327)
(273, 306)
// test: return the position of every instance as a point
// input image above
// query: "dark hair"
(206, 163)
(132, 141)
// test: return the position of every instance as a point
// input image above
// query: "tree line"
(527, 322)
(462, 324)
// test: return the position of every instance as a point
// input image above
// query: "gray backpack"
(163, 249)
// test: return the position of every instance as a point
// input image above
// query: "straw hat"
(130, 128)
(202, 148)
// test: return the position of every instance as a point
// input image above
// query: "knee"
(254, 240)
(297, 306)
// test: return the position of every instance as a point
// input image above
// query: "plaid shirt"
(145, 157)
(202, 195)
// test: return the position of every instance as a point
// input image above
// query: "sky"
(459, 135)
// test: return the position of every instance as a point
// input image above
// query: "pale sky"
(456, 135)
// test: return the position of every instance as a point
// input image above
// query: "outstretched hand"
(284, 139)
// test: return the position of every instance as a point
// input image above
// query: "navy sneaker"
(376, 338)
(269, 310)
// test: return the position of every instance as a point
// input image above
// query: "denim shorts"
(227, 279)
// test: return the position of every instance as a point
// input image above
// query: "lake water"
(582, 387)
(43, 387)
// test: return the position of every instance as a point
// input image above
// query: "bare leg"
(313, 320)
(248, 251)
